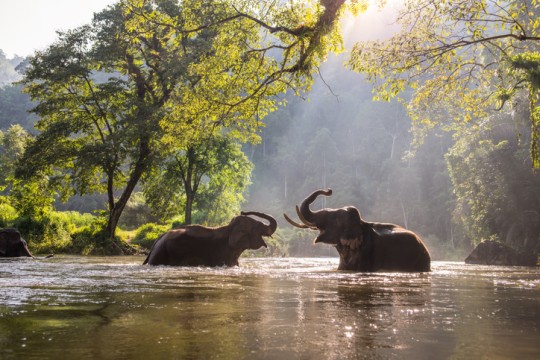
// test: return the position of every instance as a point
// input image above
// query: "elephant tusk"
(293, 223)
(303, 219)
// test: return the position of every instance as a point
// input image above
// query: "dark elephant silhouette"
(364, 246)
(12, 244)
(196, 245)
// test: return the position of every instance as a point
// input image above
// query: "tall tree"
(176, 71)
(201, 176)
(464, 59)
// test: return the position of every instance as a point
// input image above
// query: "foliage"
(136, 213)
(12, 145)
(46, 233)
(8, 214)
(34, 197)
(33, 203)
(50, 233)
(175, 73)
(528, 66)
(92, 240)
(147, 234)
(73, 219)
(209, 176)
(497, 196)
(460, 57)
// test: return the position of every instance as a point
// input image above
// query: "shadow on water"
(115, 308)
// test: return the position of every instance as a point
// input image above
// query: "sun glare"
(377, 22)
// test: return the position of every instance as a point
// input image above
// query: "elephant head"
(336, 226)
(247, 233)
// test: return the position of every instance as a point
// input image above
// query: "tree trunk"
(136, 173)
(189, 208)
(188, 187)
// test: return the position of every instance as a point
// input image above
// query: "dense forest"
(455, 185)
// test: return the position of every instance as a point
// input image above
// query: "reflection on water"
(271, 308)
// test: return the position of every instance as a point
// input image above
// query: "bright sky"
(29, 25)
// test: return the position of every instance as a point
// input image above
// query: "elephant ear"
(238, 239)
(239, 233)
(353, 234)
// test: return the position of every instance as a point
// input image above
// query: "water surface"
(268, 308)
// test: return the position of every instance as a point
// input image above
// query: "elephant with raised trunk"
(363, 246)
(196, 245)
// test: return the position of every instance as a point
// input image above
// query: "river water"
(72, 307)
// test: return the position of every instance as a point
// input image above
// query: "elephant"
(197, 245)
(363, 246)
(13, 245)
(491, 252)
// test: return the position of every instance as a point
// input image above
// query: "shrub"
(92, 240)
(44, 234)
(87, 240)
(176, 222)
(8, 214)
(147, 234)
(73, 219)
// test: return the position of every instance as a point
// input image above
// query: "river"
(73, 307)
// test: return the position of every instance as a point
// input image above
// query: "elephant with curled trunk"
(363, 246)
(196, 245)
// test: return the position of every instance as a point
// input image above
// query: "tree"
(175, 72)
(202, 176)
(464, 59)
(8, 71)
(29, 197)
(498, 197)
(12, 145)
(14, 107)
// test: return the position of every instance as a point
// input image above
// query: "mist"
(337, 137)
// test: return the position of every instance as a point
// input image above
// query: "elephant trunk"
(24, 249)
(271, 227)
(312, 217)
